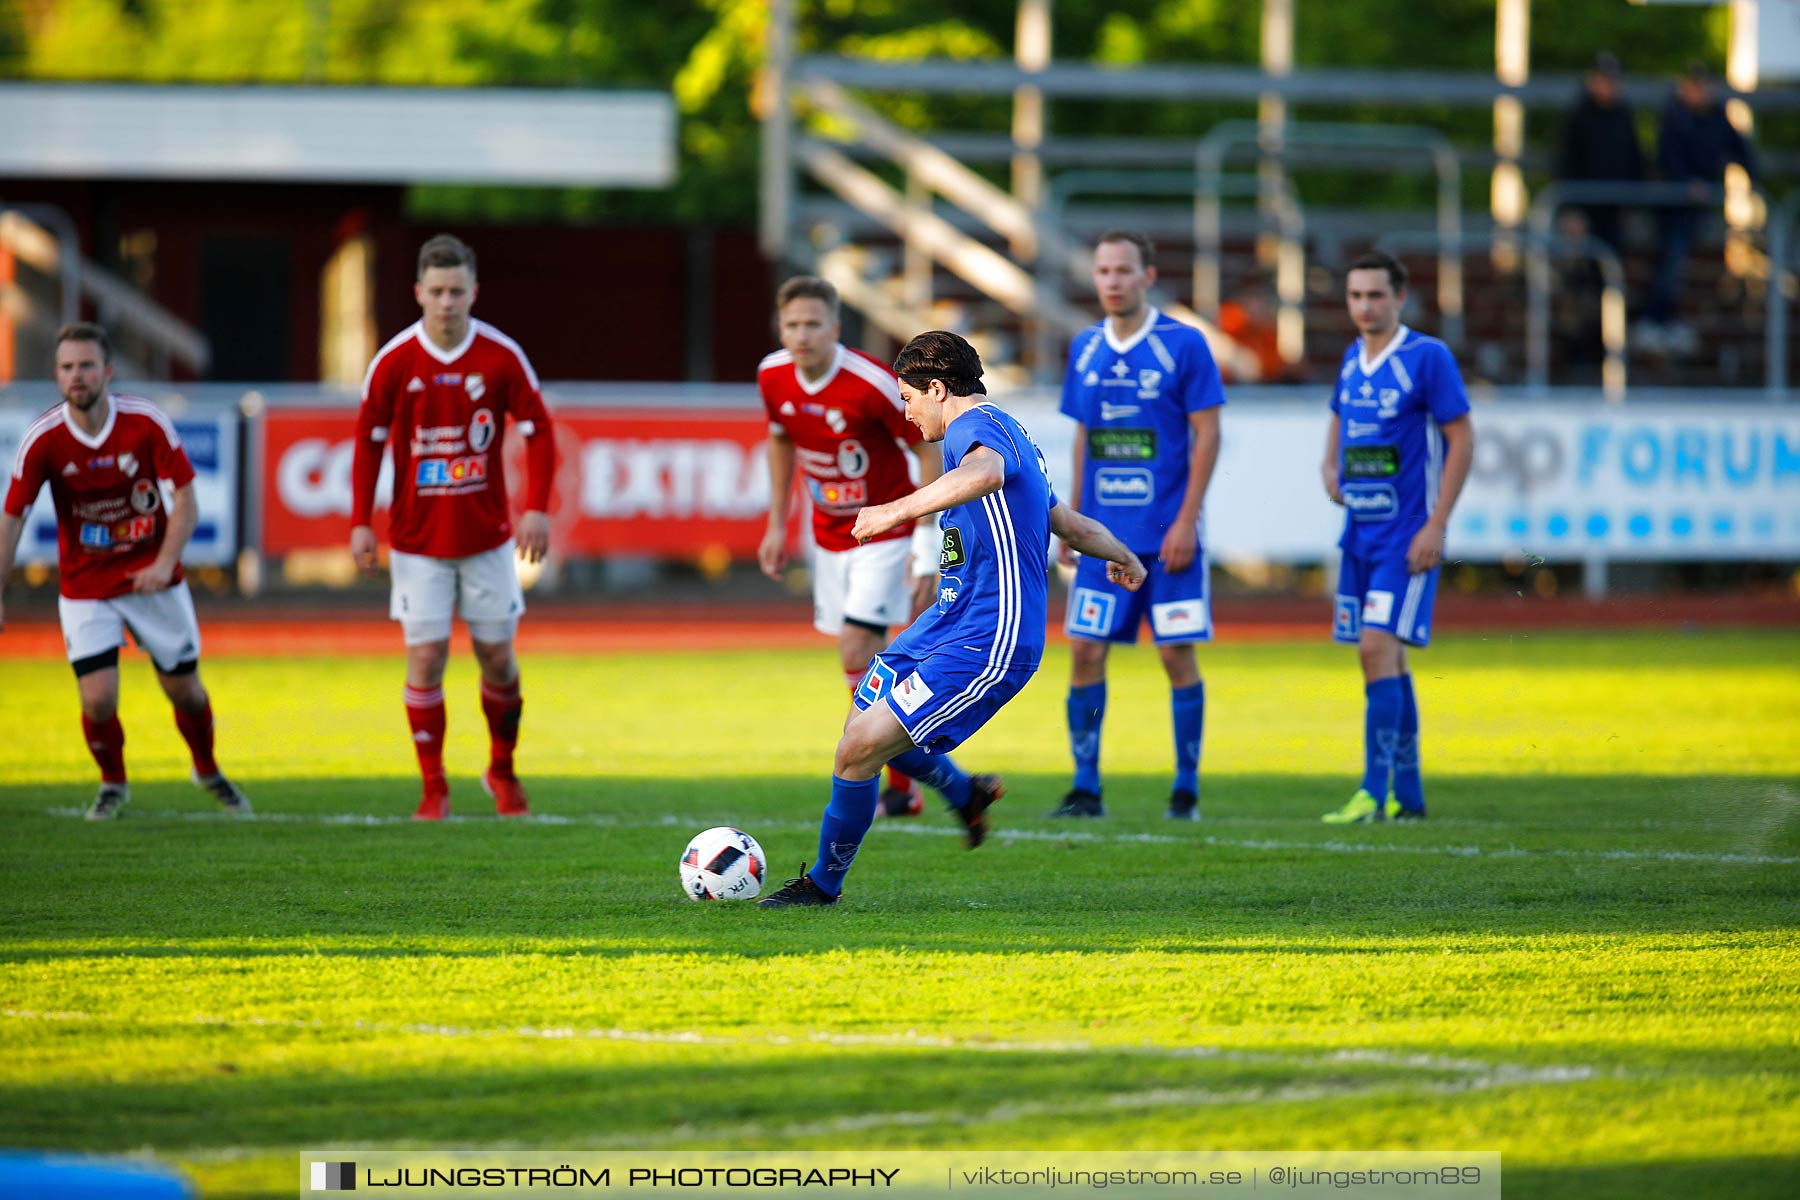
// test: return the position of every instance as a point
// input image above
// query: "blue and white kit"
(1132, 399)
(963, 658)
(1390, 457)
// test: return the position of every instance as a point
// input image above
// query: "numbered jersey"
(1133, 398)
(1390, 451)
(110, 515)
(991, 589)
(444, 413)
(849, 431)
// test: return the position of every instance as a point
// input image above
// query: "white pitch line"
(668, 821)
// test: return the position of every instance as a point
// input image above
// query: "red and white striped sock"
(106, 742)
(503, 705)
(425, 713)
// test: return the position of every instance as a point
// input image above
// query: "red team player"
(836, 413)
(440, 395)
(106, 457)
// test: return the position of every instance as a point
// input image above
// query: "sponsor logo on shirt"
(1361, 429)
(1091, 379)
(1124, 485)
(1378, 607)
(838, 494)
(1178, 617)
(481, 430)
(1115, 412)
(415, 384)
(1371, 501)
(447, 379)
(70, 469)
(1091, 613)
(100, 462)
(444, 472)
(144, 496)
(952, 554)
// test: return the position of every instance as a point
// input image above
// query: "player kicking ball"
(1397, 452)
(959, 663)
(106, 457)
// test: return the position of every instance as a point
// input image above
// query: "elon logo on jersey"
(481, 429)
(442, 472)
(838, 494)
(952, 553)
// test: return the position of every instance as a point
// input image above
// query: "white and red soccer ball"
(723, 864)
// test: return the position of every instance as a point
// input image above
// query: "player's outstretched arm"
(980, 474)
(1091, 537)
(184, 515)
(10, 529)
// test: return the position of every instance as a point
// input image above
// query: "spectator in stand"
(1248, 319)
(1599, 144)
(1695, 144)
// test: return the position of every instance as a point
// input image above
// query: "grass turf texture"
(1587, 959)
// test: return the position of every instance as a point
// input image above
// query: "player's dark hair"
(941, 355)
(808, 287)
(1381, 260)
(1145, 247)
(87, 331)
(445, 251)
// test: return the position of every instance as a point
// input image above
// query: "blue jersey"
(1390, 452)
(1133, 398)
(991, 593)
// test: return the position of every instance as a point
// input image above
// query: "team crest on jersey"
(1149, 380)
(481, 428)
(834, 420)
(128, 463)
(1389, 400)
(475, 385)
(144, 496)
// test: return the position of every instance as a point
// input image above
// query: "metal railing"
(1324, 142)
(1775, 318)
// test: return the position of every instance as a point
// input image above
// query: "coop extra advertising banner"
(1560, 481)
(211, 442)
(669, 484)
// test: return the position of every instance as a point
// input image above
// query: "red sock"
(503, 706)
(106, 742)
(196, 727)
(425, 713)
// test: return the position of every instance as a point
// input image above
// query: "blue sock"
(1188, 705)
(847, 818)
(1409, 785)
(1087, 709)
(1381, 732)
(937, 771)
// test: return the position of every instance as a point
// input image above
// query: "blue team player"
(1145, 395)
(1397, 454)
(964, 658)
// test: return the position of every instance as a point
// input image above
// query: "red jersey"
(445, 413)
(848, 430)
(110, 516)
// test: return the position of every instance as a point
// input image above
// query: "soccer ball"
(723, 864)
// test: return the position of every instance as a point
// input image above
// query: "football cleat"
(1399, 812)
(108, 801)
(983, 791)
(224, 791)
(434, 805)
(897, 803)
(799, 892)
(508, 793)
(1079, 803)
(1362, 808)
(1183, 806)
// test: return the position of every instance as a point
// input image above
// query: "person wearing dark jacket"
(1599, 143)
(1694, 146)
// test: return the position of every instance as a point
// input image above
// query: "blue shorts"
(1380, 593)
(942, 700)
(1179, 603)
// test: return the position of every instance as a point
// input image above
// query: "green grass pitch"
(1587, 959)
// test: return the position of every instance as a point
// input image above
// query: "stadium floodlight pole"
(1744, 210)
(777, 132)
(1031, 51)
(1271, 119)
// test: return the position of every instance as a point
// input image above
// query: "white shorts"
(483, 588)
(161, 623)
(871, 584)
